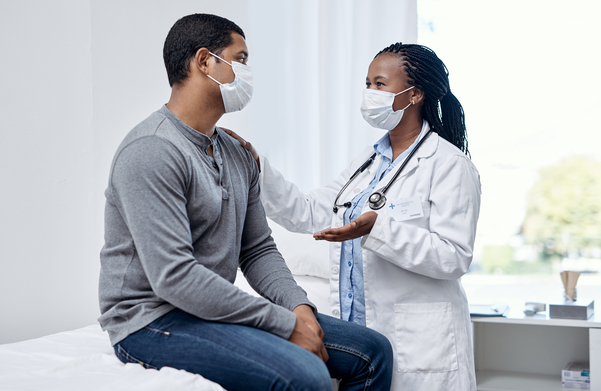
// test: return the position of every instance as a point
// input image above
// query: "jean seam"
(158, 331)
(128, 357)
(358, 354)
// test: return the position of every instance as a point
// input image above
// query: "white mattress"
(83, 359)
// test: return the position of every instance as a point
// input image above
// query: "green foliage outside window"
(564, 208)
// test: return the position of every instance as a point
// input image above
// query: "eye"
(380, 84)
(367, 84)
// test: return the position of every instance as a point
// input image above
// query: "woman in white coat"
(397, 269)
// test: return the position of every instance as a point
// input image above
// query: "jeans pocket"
(425, 337)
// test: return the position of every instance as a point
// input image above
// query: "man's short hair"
(191, 33)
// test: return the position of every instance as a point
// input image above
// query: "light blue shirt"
(352, 295)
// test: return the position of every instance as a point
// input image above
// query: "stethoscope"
(377, 199)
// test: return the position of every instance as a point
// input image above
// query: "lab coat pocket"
(425, 337)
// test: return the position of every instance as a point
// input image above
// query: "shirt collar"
(383, 147)
(191, 134)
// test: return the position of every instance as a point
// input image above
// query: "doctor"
(402, 221)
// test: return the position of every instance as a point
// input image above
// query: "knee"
(310, 375)
(380, 350)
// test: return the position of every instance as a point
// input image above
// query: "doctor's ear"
(416, 96)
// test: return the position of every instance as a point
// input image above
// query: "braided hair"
(441, 108)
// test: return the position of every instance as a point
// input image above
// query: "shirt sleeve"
(445, 250)
(298, 212)
(149, 181)
(261, 262)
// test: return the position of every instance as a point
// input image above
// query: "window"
(526, 74)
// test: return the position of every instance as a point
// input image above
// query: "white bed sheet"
(83, 359)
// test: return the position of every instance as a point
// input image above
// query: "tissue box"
(576, 375)
(580, 309)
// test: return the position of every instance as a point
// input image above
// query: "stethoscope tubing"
(377, 199)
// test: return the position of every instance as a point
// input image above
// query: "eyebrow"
(376, 78)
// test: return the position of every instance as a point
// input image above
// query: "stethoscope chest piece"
(377, 200)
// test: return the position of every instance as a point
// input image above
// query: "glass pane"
(526, 74)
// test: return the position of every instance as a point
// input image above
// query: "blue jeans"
(245, 358)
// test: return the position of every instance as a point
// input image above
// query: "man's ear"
(416, 96)
(201, 60)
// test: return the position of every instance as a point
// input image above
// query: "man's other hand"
(307, 332)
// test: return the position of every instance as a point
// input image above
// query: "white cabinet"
(520, 353)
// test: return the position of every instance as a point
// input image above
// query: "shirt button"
(349, 263)
(336, 313)
(334, 269)
(350, 295)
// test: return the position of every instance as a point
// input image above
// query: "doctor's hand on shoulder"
(245, 144)
(357, 228)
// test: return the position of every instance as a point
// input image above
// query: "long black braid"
(441, 108)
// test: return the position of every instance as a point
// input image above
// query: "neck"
(195, 109)
(404, 135)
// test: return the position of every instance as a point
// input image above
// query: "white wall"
(77, 75)
(48, 260)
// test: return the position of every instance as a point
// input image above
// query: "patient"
(182, 214)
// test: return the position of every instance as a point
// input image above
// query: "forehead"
(387, 65)
(237, 45)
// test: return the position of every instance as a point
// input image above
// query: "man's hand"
(355, 229)
(307, 332)
(246, 144)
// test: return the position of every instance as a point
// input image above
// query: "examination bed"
(83, 359)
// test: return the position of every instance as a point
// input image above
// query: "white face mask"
(236, 94)
(377, 109)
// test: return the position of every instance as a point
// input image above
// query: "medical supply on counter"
(532, 308)
(576, 375)
(582, 310)
(488, 309)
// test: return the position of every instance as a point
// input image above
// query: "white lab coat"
(411, 268)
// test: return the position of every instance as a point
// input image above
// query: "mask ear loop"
(410, 103)
(211, 77)
(398, 93)
(214, 55)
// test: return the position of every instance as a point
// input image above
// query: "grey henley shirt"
(178, 224)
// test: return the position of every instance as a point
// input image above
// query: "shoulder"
(235, 149)
(152, 133)
(147, 147)
(448, 151)
(449, 162)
